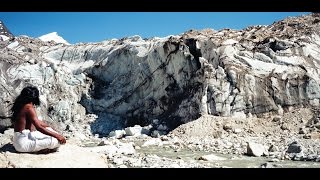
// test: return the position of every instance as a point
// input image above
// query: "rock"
(294, 147)
(274, 160)
(68, 156)
(307, 136)
(303, 130)
(117, 133)
(237, 130)
(153, 142)
(314, 102)
(106, 149)
(280, 111)
(268, 165)
(284, 127)
(174, 166)
(164, 138)
(4, 124)
(229, 42)
(78, 135)
(118, 161)
(254, 149)
(111, 150)
(298, 157)
(157, 134)
(311, 157)
(273, 148)
(146, 130)
(240, 115)
(133, 131)
(315, 135)
(155, 121)
(104, 142)
(70, 128)
(276, 119)
(211, 157)
(142, 136)
(162, 127)
(217, 134)
(227, 127)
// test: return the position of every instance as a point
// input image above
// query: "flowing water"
(232, 161)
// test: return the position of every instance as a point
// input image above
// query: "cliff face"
(5, 34)
(102, 86)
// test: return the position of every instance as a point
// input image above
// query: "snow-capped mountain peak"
(53, 37)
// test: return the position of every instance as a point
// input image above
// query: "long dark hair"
(27, 95)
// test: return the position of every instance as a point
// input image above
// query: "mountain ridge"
(250, 72)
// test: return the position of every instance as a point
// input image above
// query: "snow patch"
(229, 42)
(4, 38)
(53, 37)
(13, 45)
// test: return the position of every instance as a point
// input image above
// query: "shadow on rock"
(105, 123)
(8, 147)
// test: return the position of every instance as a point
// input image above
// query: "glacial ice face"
(175, 79)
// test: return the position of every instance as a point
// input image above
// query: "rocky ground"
(294, 136)
(209, 141)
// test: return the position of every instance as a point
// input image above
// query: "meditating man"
(31, 134)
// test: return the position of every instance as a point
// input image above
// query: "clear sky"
(98, 26)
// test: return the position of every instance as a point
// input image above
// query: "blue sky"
(98, 26)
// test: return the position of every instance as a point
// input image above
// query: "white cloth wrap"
(27, 141)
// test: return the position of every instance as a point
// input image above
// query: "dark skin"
(28, 119)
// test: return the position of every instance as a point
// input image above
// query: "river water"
(231, 161)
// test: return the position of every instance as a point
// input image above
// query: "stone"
(104, 142)
(285, 126)
(114, 149)
(276, 119)
(117, 134)
(146, 129)
(162, 127)
(298, 157)
(303, 130)
(315, 135)
(273, 148)
(157, 133)
(155, 121)
(227, 127)
(314, 102)
(133, 131)
(211, 157)
(254, 149)
(152, 142)
(268, 165)
(237, 130)
(274, 160)
(295, 147)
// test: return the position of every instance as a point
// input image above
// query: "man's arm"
(40, 125)
(43, 124)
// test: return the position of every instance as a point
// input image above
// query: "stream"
(231, 161)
